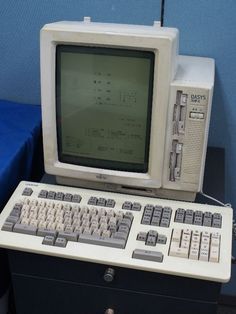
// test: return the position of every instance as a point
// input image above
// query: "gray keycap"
(15, 212)
(110, 242)
(197, 221)
(48, 240)
(142, 236)
(180, 211)
(12, 219)
(110, 203)
(61, 242)
(166, 215)
(70, 236)
(167, 210)
(189, 212)
(120, 235)
(188, 220)
(92, 200)
(148, 211)
(157, 213)
(207, 215)
(217, 216)
(151, 240)
(136, 206)
(207, 222)
(7, 226)
(51, 195)
(76, 198)
(125, 222)
(68, 197)
(155, 221)
(158, 208)
(42, 232)
(129, 216)
(101, 202)
(216, 223)
(152, 233)
(123, 228)
(165, 222)
(18, 206)
(43, 194)
(146, 220)
(27, 192)
(127, 205)
(149, 206)
(198, 213)
(59, 196)
(26, 229)
(161, 238)
(179, 218)
(148, 255)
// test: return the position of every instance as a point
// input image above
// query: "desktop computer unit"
(125, 122)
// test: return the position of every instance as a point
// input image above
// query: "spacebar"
(111, 242)
(148, 255)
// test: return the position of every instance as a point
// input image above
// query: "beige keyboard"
(179, 238)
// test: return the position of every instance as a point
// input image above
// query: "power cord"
(162, 12)
(233, 258)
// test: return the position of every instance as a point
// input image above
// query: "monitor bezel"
(162, 42)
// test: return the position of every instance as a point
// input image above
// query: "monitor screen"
(103, 106)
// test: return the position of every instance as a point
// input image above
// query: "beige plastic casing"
(170, 71)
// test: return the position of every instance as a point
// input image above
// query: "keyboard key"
(59, 196)
(68, 197)
(48, 240)
(177, 251)
(110, 203)
(148, 255)
(51, 195)
(43, 194)
(76, 198)
(127, 205)
(42, 232)
(161, 238)
(110, 242)
(142, 236)
(7, 226)
(214, 254)
(27, 191)
(136, 206)
(61, 242)
(92, 200)
(26, 229)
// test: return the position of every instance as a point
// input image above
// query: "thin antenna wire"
(162, 12)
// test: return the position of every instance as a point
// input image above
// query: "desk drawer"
(125, 279)
(37, 295)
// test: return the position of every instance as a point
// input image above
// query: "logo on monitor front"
(101, 177)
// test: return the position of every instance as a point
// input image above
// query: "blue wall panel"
(207, 28)
(20, 22)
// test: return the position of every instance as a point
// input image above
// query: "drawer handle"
(109, 277)
(109, 311)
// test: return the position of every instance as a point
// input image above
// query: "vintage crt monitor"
(122, 110)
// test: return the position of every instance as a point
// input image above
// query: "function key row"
(59, 196)
(151, 237)
(198, 218)
(100, 201)
(156, 216)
